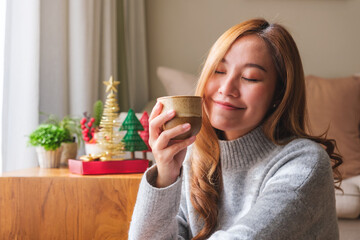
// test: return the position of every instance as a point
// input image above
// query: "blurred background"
(55, 54)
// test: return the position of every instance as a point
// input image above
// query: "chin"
(223, 124)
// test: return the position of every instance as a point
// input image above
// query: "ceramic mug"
(188, 109)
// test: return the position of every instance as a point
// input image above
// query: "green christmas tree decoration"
(132, 140)
(131, 122)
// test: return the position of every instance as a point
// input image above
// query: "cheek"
(210, 87)
(260, 97)
(209, 91)
(207, 95)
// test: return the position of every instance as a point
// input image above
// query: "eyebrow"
(249, 65)
(256, 66)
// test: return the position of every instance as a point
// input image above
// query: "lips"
(227, 105)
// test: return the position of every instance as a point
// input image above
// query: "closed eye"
(219, 72)
(250, 79)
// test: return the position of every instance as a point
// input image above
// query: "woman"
(252, 172)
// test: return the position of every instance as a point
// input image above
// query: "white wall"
(180, 32)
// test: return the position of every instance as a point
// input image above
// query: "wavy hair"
(282, 124)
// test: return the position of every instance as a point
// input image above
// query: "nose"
(230, 87)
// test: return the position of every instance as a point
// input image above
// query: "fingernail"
(170, 112)
(186, 126)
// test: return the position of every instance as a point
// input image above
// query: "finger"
(161, 119)
(166, 136)
(179, 146)
(155, 125)
(153, 131)
(156, 110)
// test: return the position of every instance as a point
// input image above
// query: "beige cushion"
(348, 202)
(177, 82)
(334, 104)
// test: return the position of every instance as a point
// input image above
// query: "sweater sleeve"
(156, 210)
(295, 201)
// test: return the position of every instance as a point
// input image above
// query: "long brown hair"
(284, 123)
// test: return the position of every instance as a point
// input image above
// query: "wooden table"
(55, 204)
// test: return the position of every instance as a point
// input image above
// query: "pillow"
(176, 82)
(348, 200)
(334, 104)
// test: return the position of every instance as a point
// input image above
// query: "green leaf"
(98, 112)
(48, 136)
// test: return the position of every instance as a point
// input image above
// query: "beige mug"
(188, 109)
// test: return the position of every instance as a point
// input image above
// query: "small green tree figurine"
(132, 139)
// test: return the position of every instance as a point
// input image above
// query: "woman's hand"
(169, 154)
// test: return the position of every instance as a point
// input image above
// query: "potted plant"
(47, 139)
(73, 139)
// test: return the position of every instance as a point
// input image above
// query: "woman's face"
(240, 92)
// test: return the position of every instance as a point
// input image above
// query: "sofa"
(333, 107)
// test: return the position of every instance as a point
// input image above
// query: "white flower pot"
(93, 148)
(69, 151)
(49, 159)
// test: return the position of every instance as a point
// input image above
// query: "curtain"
(78, 52)
(57, 55)
(21, 82)
(2, 45)
(136, 59)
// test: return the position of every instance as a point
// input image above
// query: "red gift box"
(108, 167)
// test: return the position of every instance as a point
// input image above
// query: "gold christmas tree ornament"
(111, 85)
(109, 137)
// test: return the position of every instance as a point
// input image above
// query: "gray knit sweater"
(269, 192)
